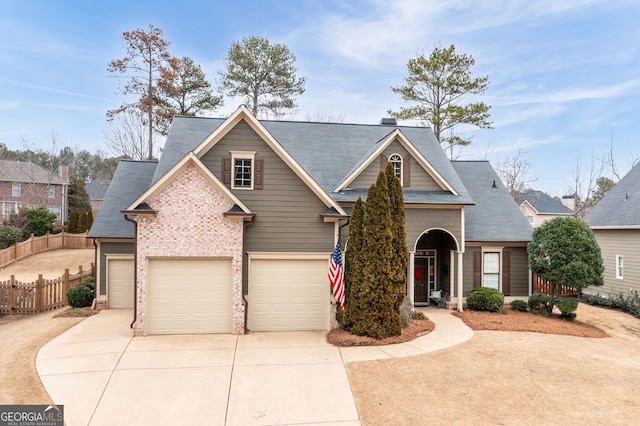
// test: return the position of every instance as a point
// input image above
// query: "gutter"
(135, 269)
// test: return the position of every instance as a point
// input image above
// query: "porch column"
(460, 283)
(410, 274)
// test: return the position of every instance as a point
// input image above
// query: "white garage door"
(120, 283)
(186, 296)
(288, 295)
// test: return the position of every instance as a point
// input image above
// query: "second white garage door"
(187, 296)
(288, 295)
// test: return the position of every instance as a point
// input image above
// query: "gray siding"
(419, 220)
(287, 211)
(519, 271)
(419, 178)
(110, 248)
(625, 242)
(519, 274)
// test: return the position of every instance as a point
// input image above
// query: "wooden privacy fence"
(41, 295)
(46, 242)
(544, 287)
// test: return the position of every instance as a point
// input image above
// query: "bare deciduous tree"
(127, 135)
(322, 116)
(514, 172)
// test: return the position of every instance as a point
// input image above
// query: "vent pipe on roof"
(494, 184)
(388, 121)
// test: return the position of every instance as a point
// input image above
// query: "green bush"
(79, 296)
(567, 306)
(485, 299)
(9, 235)
(630, 304)
(540, 304)
(417, 315)
(519, 305)
(89, 282)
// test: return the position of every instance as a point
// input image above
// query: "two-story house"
(232, 229)
(24, 184)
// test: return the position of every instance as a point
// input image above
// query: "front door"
(424, 275)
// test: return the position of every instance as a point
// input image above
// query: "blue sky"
(564, 75)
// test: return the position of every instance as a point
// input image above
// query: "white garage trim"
(189, 295)
(120, 278)
(288, 291)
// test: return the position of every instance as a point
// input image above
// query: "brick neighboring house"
(24, 184)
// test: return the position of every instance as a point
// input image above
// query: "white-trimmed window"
(15, 190)
(51, 191)
(619, 266)
(396, 162)
(530, 219)
(491, 270)
(243, 169)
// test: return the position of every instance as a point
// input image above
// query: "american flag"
(336, 275)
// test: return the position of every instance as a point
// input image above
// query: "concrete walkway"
(104, 376)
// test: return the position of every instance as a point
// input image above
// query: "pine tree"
(353, 269)
(82, 223)
(399, 236)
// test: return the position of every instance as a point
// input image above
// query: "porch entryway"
(432, 264)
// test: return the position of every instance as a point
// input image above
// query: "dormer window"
(396, 162)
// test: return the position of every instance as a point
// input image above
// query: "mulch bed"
(416, 328)
(526, 321)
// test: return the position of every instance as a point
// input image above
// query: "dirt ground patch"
(50, 264)
(510, 378)
(416, 328)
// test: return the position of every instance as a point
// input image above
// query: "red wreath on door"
(418, 273)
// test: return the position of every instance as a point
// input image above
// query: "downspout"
(135, 268)
(245, 225)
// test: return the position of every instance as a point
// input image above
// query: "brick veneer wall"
(190, 223)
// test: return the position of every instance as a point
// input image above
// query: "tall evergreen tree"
(378, 255)
(399, 236)
(72, 225)
(354, 307)
(78, 197)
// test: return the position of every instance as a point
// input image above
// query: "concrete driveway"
(104, 376)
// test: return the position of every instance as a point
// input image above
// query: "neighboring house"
(615, 221)
(24, 184)
(96, 190)
(232, 230)
(539, 207)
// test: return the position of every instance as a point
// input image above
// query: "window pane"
(491, 263)
(491, 281)
(242, 173)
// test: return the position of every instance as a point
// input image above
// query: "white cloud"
(9, 105)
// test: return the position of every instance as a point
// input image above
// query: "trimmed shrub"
(485, 299)
(540, 304)
(90, 282)
(630, 304)
(519, 305)
(9, 235)
(79, 296)
(567, 306)
(417, 315)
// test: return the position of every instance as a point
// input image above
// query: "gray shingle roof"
(130, 180)
(22, 171)
(327, 151)
(97, 189)
(542, 202)
(621, 205)
(495, 216)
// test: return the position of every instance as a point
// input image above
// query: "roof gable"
(26, 171)
(189, 159)
(542, 203)
(377, 150)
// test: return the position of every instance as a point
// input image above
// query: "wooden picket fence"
(41, 295)
(46, 242)
(544, 287)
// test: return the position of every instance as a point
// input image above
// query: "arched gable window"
(396, 161)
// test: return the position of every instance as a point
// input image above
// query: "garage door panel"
(288, 294)
(189, 296)
(120, 276)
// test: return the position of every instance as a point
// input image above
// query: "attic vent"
(388, 121)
